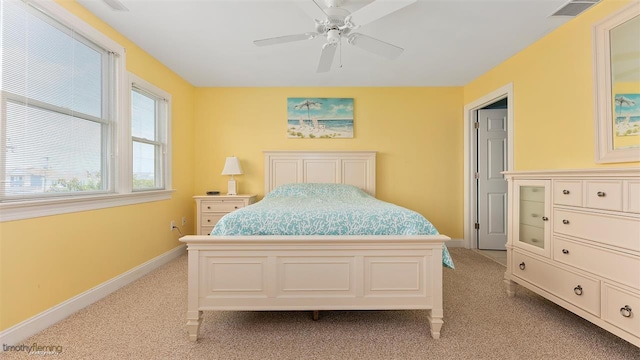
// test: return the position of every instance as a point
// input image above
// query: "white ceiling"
(209, 43)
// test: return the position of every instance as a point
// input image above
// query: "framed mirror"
(617, 86)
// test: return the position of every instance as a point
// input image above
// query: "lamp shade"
(232, 166)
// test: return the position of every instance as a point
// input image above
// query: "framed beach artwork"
(320, 118)
(627, 114)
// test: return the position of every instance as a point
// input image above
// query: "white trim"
(35, 324)
(603, 90)
(11, 211)
(469, 118)
(78, 25)
(456, 243)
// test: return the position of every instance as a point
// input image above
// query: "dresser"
(574, 238)
(209, 209)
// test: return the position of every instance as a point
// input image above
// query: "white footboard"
(314, 273)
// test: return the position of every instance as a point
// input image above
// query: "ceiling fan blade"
(326, 57)
(375, 46)
(312, 9)
(377, 9)
(285, 39)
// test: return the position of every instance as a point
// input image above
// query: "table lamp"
(232, 167)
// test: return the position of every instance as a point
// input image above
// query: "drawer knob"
(565, 221)
(522, 265)
(235, 207)
(578, 290)
(544, 218)
(601, 194)
(566, 192)
(565, 251)
(208, 207)
(208, 220)
(626, 311)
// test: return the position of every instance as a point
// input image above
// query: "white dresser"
(574, 238)
(210, 209)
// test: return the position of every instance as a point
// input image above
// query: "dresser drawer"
(577, 289)
(210, 219)
(622, 309)
(567, 192)
(206, 230)
(221, 205)
(619, 267)
(604, 194)
(607, 229)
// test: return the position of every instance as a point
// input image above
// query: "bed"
(368, 268)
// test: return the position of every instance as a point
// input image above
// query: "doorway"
(491, 186)
(485, 207)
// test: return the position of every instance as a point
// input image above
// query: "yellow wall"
(45, 261)
(553, 95)
(417, 133)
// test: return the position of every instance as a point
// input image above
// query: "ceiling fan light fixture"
(333, 36)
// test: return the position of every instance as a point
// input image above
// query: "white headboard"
(356, 168)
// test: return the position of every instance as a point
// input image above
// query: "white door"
(491, 186)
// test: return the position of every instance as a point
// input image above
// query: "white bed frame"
(315, 272)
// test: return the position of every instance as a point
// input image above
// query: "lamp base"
(232, 188)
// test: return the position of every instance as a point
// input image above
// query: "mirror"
(617, 76)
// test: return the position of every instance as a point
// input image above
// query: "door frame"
(470, 153)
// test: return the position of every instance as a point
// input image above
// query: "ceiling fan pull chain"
(340, 52)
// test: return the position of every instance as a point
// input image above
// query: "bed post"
(194, 315)
(436, 313)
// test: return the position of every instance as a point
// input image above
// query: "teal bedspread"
(325, 209)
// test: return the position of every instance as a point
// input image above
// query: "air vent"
(116, 5)
(575, 7)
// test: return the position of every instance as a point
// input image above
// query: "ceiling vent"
(574, 7)
(116, 5)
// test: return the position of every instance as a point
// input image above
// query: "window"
(149, 125)
(64, 130)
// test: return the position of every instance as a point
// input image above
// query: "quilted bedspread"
(325, 209)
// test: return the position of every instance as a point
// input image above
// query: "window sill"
(38, 208)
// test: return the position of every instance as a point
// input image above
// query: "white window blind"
(58, 108)
(148, 124)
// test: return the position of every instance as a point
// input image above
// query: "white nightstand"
(209, 209)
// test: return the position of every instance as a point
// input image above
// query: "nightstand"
(209, 209)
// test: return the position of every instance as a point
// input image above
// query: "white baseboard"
(456, 243)
(37, 323)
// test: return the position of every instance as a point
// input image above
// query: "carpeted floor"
(146, 320)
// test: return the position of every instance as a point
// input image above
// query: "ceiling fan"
(339, 23)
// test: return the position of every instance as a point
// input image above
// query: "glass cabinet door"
(532, 222)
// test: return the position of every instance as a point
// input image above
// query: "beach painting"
(320, 118)
(627, 114)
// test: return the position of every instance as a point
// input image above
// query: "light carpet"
(146, 320)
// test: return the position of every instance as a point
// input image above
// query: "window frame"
(119, 160)
(163, 124)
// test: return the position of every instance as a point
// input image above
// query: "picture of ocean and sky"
(320, 118)
(627, 114)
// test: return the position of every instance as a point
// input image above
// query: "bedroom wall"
(553, 95)
(47, 260)
(417, 133)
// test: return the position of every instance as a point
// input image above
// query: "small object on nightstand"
(213, 192)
